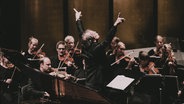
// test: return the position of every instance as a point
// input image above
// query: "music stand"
(171, 85)
(159, 86)
(14, 56)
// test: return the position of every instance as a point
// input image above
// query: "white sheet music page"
(120, 82)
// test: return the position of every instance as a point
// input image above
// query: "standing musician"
(63, 59)
(95, 58)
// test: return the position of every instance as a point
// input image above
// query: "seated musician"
(39, 84)
(63, 60)
(32, 48)
(75, 53)
(119, 61)
(145, 65)
(32, 53)
(9, 78)
(159, 42)
(113, 45)
(168, 61)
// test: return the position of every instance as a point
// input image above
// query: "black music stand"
(160, 87)
(14, 56)
(171, 85)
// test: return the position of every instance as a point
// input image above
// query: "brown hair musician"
(63, 59)
(145, 65)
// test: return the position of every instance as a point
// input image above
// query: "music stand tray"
(122, 83)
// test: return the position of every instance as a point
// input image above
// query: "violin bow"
(75, 48)
(122, 58)
(38, 50)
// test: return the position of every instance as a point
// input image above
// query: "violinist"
(62, 59)
(75, 53)
(113, 45)
(34, 54)
(39, 84)
(168, 61)
(9, 79)
(119, 61)
(145, 65)
(32, 47)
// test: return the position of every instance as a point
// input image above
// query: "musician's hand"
(52, 73)
(77, 14)
(179, 93)
(69, 63)
(119, 20)
(8, 81)
(67, 76)
(46, 94)
(131, 63)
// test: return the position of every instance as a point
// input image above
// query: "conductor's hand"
(77, 14)
(119, 20)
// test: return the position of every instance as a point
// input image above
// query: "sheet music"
(120, 82)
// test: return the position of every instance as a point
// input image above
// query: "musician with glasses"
(63, 61)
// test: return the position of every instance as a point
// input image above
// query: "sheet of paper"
(120, 82)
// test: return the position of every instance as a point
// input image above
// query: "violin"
(66, 59)
(61, 74)
(151, 68)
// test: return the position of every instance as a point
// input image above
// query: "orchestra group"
(97, 63)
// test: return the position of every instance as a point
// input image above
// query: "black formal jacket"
(95, 60)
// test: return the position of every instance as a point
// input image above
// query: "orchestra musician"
(33, 54)
(169, 63)
(95, 58)
(159, 42)
(63, 59)
(145, 65)
(39, 85)
(74, 51)
(112, 47)
(119, 61)
(32, 47)
(9, 82)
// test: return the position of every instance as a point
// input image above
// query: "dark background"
(51, 20)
